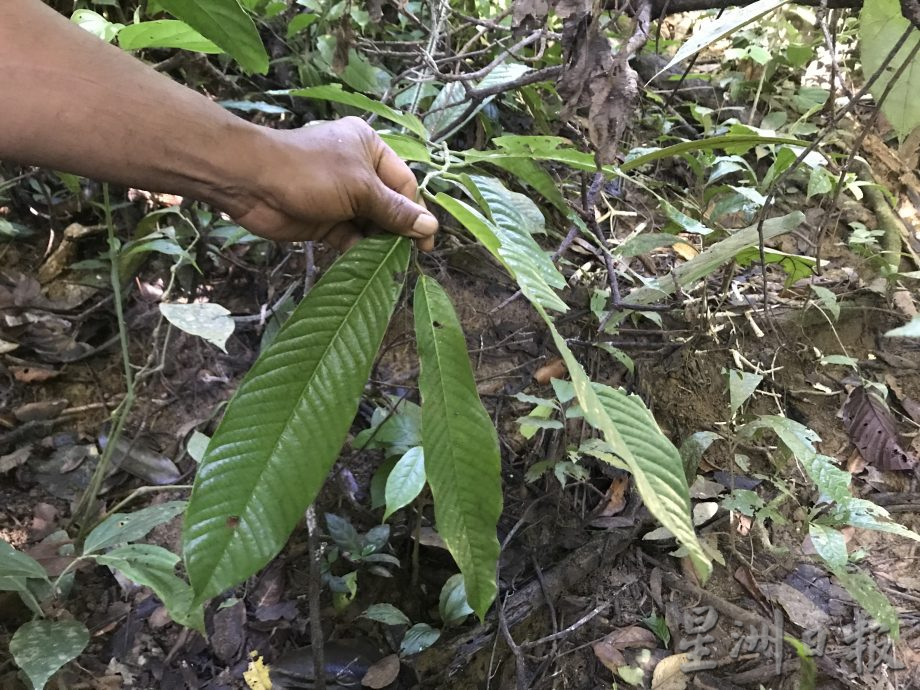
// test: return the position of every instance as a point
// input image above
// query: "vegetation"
(524, 127)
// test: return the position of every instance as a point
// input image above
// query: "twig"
(316, 580)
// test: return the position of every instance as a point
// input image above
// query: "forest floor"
(581, 544)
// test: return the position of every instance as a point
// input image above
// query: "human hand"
(333, 181)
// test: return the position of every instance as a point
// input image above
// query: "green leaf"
(711, 258)
(867, 594)
(121, 528)
(530, 173)
(741, 386)
(207, 320)
(96, 24)
(155, 567)
(286, 424)
(644, 243)
(228, 25)
(515, 249)
(386, 614)
(40, 648)
(197, 445)
(829, 300)
(15, 563)
(165, 33)
(406, 147)
(418, 638)
(709, 32)
(406, 481)
(334, 93)
(656, 465)
(462, 459)
(452, 603)
(881, 24)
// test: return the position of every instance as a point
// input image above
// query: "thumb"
(397, 214)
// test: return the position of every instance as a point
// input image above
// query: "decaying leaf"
(609, 651)
(871, 427)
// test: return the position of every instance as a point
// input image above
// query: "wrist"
(237, 180)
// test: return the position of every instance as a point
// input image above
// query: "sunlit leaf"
(41, 647)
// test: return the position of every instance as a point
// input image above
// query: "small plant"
(45, 644)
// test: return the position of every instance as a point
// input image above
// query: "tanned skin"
(72, 102)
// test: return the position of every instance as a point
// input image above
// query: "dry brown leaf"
(684, 250)
(382, 673)
(668, 675)
(609, 651)
(615, 498)
(554, 369)
(871, 427)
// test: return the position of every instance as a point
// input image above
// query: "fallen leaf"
(554, 369)
(668, 674)
(871, 427)
(382, 673)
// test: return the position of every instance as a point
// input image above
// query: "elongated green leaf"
(710, 259)
(15, 563)
(529, 171)
(286, 424)
(560, 150)
(462, 459)
(121, 528)
(335, 93)
(40, 648)
(165, 33)
(881, 24)
(227, 24)
(406, 481)
(707, 33)
(865, 591)
(155, 567)
(517, 251)
(663, 486)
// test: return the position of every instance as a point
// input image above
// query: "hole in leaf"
(437, 324)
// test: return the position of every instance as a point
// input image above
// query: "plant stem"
(84, 511)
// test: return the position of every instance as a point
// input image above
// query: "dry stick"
(857, 147)
(771, 192)
(478, 95)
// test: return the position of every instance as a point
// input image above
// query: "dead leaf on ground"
(871, 427)
(615, 498)
(799, 609)
(668, 674)
(33, 373)
(554, 369)
(609, 651)
(15, 459)
(382, 673)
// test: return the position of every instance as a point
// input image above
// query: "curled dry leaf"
(609, 651)
(554, 369)
(871, 427)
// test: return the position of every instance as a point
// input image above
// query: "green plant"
(835, 507)
(45, 644)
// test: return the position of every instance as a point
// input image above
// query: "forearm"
(71, 102)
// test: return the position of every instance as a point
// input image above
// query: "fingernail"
(426, 224)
